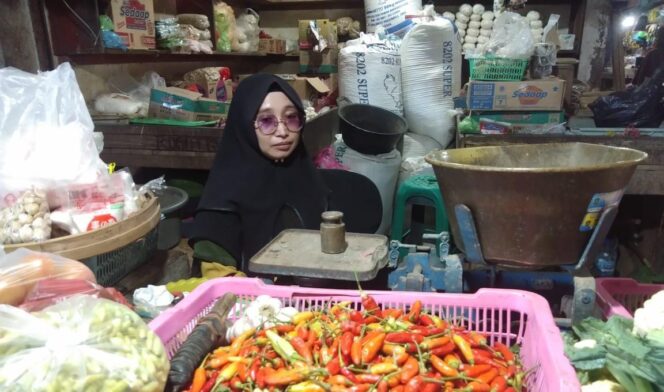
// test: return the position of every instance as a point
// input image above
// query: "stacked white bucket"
(536, 25)
(473, 23)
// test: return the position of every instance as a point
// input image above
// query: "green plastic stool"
(419, 190)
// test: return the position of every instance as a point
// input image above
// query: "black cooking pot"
(369, 129)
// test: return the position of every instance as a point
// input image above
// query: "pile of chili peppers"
(369, 350)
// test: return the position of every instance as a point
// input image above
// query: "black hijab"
(246, 182)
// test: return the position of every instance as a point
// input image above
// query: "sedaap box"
(133, 21)
(529, 95)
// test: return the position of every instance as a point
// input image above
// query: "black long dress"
(247, 195)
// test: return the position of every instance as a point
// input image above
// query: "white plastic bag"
(370, 73)
(382, 169)
(431, 78)
(80, 344)
(46, 138)
(415, 148)
(511, 38)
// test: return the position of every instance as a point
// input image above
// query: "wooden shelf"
(144, 56)
(285, 5)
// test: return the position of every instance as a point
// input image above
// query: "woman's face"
(277, 114)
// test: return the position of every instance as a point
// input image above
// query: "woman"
(262, 180)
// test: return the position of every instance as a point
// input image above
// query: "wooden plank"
(618, 61)
(160, 159)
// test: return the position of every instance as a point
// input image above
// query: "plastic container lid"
(171, 199)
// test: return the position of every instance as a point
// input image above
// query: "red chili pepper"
(284, 328)
(364, 378)
(351, 326)
(369, 304)
(260, 378)
(242, 371)
(488, 376)
(484, 357)
(356, 351)
(464, 347)
(283, 377)
(338, 379)
(360, 388)
(369, 335)
(429, 344)
(511, 371)
(349, 375)
(506, 353)
(409, 369)
(414, 385)
(370, 320)
(499, 384)
(475, 370)
(346, 343)
(426, 320)
(428, 331)
(510, 389)
(431, 387)
(444, 350)
(394, 313)
(398, 388)
(452, 360)
(477, 340)
(393, 380)
(403, 337)
(478, 387)
(442, 367)
(415, 309)
(253, 370)
(356, 316)
(207, 387)
(333, 367)
(303, 349)
(199, 379)
(382, 386)
(372, 347)
(303, 332)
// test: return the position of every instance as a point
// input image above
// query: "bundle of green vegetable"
(80, 344)
(610, 351)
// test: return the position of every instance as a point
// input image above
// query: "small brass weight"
(333, 233)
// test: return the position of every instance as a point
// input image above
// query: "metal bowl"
(370, 129)
(530, 202)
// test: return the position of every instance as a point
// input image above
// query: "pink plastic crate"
(509, 316)
(622, 296)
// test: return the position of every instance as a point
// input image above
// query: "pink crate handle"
(608, 288)
(537, 332)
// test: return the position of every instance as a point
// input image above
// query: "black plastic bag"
(640, 107)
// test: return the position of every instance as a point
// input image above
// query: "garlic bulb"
(27, 220)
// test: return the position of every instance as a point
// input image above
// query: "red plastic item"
(50, 291)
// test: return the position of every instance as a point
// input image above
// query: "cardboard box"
(133, 21)
(185, 105)
(327, 30)
(272, 46)
(531, 95)
(319, 63)
(522, 122)
(306, 88)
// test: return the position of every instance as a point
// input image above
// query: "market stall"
(318, 196)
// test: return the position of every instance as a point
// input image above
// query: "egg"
(488, 15)
(486, 24)
(474, 25)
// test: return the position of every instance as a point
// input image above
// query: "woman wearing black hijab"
(262, 180)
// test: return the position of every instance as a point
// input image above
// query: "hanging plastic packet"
(108, 36)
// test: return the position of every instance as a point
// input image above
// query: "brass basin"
(529, 201)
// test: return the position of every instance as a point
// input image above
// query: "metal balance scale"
(313, 257)
(525, 217)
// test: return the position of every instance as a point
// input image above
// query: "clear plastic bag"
(511, 38)
(80, 344)
(27, 220)
(46, 138)
(51, 291)
(23, 268)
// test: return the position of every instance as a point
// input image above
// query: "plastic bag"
(27, 220)
(80, 344)
(51, 291)
(325, 159)
(640, 107)
(511, 38)
(224, 26)
(46, 139)
(23, 268)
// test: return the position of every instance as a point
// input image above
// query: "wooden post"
(618, 52)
